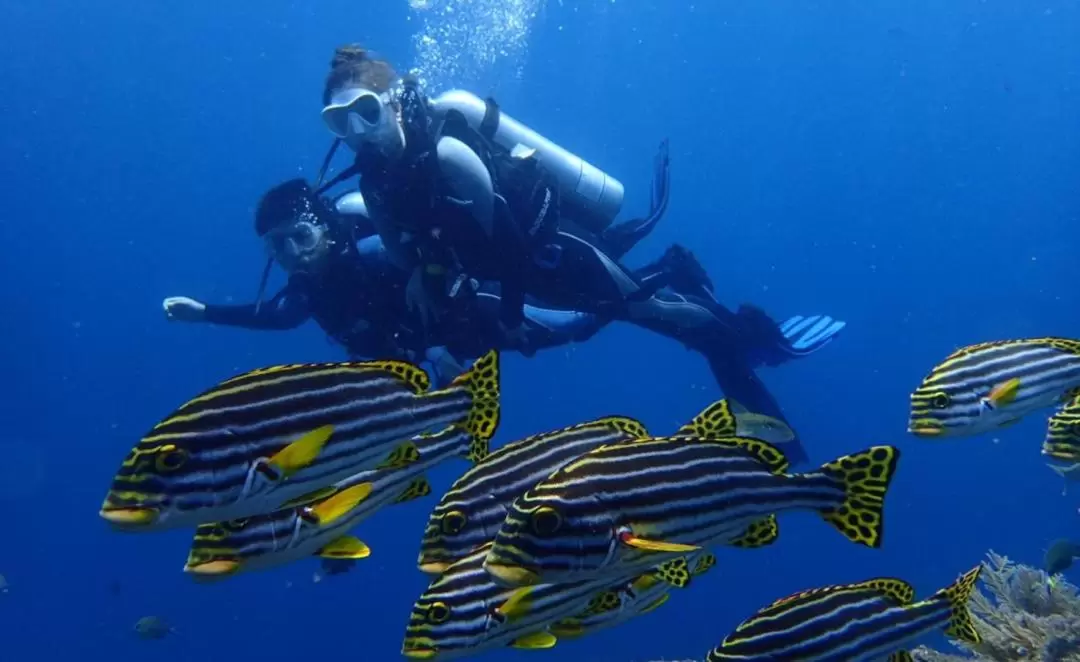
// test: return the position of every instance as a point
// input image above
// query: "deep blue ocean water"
(909, 167)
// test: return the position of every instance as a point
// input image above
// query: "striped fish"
(463, 612)
(619, 510)
(991, 385)
(474, 508)
(280, 436)
(1062, 440)
(321, 527)
(871, 620)
(641, 596)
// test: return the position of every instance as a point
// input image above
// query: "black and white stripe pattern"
(483, 494)
(954, 399)
(283, 536)
(852, 624)
(681, 491)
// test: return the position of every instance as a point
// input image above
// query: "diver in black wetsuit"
(454, 187)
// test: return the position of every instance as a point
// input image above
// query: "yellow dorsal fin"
(535, 641)
(624, 424)
(416, 378)
(715, 421)
(331, 509)
(518, 604)
(302, 452)
(419, 487)
(897, 590)
(345, 547)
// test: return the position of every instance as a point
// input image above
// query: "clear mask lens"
(360, 113)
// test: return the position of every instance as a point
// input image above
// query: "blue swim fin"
(807, 334)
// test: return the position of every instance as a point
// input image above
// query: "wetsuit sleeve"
(287, 310)
(513, 266)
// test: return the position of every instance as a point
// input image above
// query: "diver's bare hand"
(184, 309)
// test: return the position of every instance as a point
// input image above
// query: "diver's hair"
(284, 203)
(353, 63)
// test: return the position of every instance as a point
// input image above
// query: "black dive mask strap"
(326, 161)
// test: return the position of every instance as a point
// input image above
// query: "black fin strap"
(262, 284)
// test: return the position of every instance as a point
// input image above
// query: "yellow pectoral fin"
(303, 451)
(310, 497)
(346, 547)
(535, 641)
(1005, 392)
(656, 545)
(518, 604)
(337, 506)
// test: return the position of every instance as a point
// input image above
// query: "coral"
(1021, 613)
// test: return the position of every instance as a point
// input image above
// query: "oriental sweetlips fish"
(322, 527)
(621, 509)
(991, 385)
(279, 436)
(474, 508)
(863, 622)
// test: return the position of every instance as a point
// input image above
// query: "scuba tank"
(589, 196)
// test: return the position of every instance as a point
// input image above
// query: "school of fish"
(569, 531)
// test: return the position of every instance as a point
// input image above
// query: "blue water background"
(910, 167)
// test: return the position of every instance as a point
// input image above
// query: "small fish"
(320, 527)
(640, 596)
(1062, 439)
(871, 620)
(992, 385)
(153, 627)
(620, 510)
(463, 612)
(473, 509)
(256, 442)
(1060, 556)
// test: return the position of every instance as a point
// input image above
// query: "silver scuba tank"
(589, 196)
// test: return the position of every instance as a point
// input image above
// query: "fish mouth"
(416, 651)
(511, 575)
(926, 429)
(212, 569)
(433, 567)
(129, 518)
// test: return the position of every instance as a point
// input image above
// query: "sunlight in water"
(465, 43)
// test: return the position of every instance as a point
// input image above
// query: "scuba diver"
(455, 187)
(343, 278)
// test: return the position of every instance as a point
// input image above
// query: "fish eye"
(453, 522)
(546, 521)
(438, 612)
(940, 400)
(170, 459)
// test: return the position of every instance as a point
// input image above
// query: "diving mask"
(359, 116)
(295, 241)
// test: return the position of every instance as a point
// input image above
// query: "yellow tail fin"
(961, 625)
(482, 383)
(866, 477)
